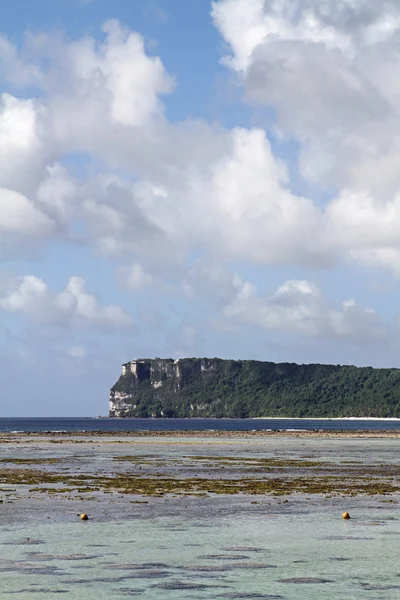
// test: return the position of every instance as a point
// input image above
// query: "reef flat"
(232, 516)
(90, 465)
(66, 436)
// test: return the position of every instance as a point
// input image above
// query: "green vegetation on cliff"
(226, 388)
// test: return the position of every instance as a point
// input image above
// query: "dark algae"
(217, 388)
(214, 475)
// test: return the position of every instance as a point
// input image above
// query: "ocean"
(79, 424)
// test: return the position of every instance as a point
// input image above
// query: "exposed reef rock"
(204, 387)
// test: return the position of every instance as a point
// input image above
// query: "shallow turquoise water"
(219, 555)
(216, 547)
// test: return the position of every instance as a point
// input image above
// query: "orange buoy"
(345, 515)
(84, 517)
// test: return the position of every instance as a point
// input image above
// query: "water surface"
(207, 547)
(72, 424)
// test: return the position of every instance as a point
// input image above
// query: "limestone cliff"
(203, 387)
(145, 381)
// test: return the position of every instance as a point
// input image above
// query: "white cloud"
(122, 79)
(299, 307)
(104, 97)
(18, 215)
(134, 278)
(366, 229)
(135, 90)
(329, 72)
(191, 186)
(22, 149)
(99, 98)
(381, 258)
(238, 207)
(197, 186)
(57, 194)
(31, 209)
(257, 216)
(74, 306)
(14, 68)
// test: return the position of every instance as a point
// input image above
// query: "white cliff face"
(120, 403)
(207, 365)
(164, 376)
(134, 367)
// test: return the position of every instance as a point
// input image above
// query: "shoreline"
(326, 418)
(69, 436)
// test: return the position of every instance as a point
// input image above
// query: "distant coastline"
(249, 389)
(202, 436)
(327, 418)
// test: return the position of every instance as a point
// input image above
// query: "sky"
(194, 179)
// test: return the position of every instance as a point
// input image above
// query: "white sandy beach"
(327, 418)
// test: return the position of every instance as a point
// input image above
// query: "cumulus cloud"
(121, 73)
(196, 185)
(18, 215)
(329, 72)
(366, 228)
(134, 277)
(299, 306)
(97, 98)
(23, 149)
(100, 100)
(16, 69)
(158, 192)
(103, 96)
(56, 195)
(237, 208)
(32, 187)
(259, 218)
(116, 74)
(74, 306)
(327, 69)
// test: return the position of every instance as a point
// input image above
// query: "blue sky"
(193, 179)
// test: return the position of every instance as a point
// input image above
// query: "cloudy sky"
(194, 179)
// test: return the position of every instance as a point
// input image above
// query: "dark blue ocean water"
(71, 424)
